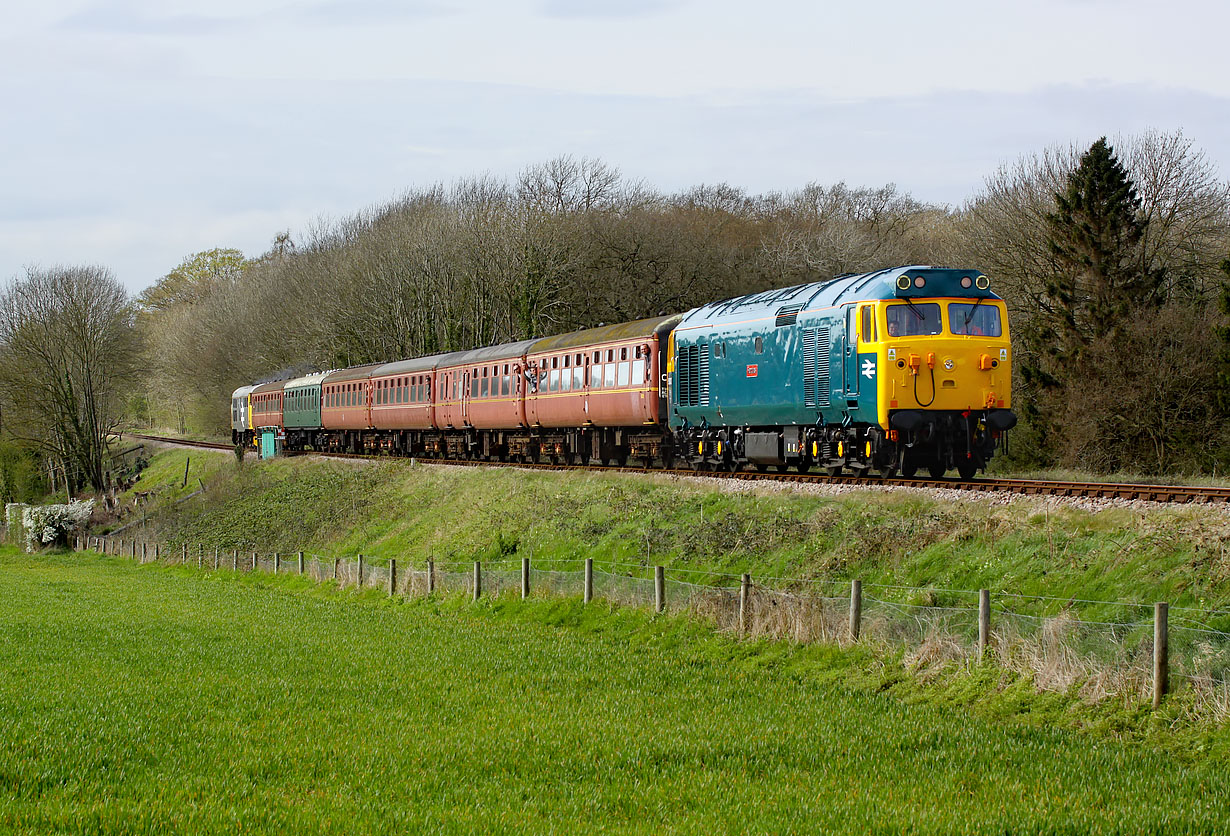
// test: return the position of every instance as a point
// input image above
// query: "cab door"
(850, 348)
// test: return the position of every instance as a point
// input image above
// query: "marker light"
(982, 282)
(903, 282)
(967, 282)
(919, 281)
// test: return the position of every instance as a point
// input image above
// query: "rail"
(1028, 487)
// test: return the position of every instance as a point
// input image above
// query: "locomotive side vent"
(816, 367)
(703, 378)
(788, 315)
(693, 364)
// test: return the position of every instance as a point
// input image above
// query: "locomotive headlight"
(903, 282)
(919, 281)
(967, 282)
(982, 282)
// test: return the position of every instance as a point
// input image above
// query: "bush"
(47, 525)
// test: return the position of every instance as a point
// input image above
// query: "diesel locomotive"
(893, 371)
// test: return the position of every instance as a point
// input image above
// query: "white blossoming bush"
(47, 524)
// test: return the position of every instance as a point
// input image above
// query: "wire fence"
(1153, 650)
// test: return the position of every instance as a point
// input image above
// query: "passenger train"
(895, 371)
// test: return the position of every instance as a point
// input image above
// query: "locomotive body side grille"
(788, 314)
(816, 367)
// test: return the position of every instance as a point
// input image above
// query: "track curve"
(1190, 494)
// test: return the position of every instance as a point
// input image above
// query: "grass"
(392, 509)
(140, 699)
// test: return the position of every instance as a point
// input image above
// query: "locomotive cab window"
(917, 319)
(969, 320)
(867, 326)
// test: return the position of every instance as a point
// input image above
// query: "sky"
(136, 132)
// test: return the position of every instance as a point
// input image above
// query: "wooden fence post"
(200, 555)
(217, 551)
(984, 622)
(392, 576)
(1161, 651)
(659, 588)
(589, 579)
(253, 569)
(277, 562)
(359, 574)
(856, 609)
(431, 575)
(478, 580)
(300, 563)
(235, 560)
(157, 551)
(525, 578)
(143, 552)
(745, 590)
(337, 565)
(183, 557)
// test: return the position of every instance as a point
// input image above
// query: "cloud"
(364, 12)
(588, 9)
(128, 19)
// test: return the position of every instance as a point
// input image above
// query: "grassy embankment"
(142, 698)
(391, 509)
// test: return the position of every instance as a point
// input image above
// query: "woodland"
(1114, 260)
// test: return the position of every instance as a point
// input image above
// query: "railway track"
(1192, 494)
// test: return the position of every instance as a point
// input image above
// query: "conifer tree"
(1224, 377)
(1094, 235)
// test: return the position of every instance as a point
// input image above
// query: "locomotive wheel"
(937, 470)
(887, 472)
(762, 468)
(833, 471)
(909, 470)
(967, 469)
(803, 466)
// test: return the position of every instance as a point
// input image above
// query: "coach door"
(850, 348)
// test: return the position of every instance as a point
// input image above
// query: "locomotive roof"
(243, 391)
(605, 333)
(416, 364)
(881, 284)
(313, 379)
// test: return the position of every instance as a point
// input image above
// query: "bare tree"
(67, 350)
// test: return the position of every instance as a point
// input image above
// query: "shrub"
(51, 524)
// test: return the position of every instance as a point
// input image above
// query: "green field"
(147, 699)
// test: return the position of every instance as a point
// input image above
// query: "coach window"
(578, 377)
(623, 371)
(638, 371)
(597, 356)
(608, 375)
(610, 355)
